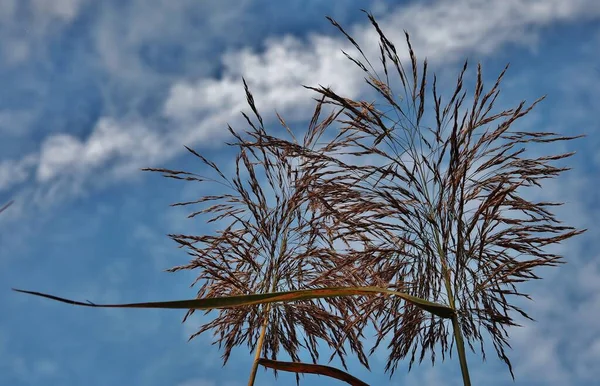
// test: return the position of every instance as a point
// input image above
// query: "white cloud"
(58, 152)
(275, 78)
(442, 28)
(121, 32)
(15, 172)
(126, 142)
(440, 31)
(21, 38)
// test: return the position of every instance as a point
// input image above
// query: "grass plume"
(442, 209)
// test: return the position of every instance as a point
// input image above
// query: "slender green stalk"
(261, 339)
(460, 344)
(259, 344)
(263, 330)
(460, 347)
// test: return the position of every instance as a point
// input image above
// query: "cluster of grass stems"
(425, 241)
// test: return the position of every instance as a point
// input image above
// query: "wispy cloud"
(199, 108)
(26, 25)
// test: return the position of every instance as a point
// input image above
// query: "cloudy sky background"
(93, 91)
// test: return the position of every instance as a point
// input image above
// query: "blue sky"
(93, 91)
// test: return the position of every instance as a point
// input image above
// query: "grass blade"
(247, 300)
(307, 368)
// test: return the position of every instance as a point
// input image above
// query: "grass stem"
(259, 344)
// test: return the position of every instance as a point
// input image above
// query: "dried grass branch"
(272, 239)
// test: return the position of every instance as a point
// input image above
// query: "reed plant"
(418, 225)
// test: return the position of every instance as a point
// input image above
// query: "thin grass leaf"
(307, 368)
(248, 300)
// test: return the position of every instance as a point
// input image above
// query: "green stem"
(263, 331)
(460, 347)
(259, 345)
(460, 344)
